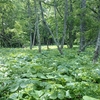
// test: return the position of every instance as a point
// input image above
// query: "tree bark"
(38, 35)
(97, 49)
(56, 21)
(34, 36)
(82, 25)
(71, 35)
(29, 16)
(65, 23)
(37, 26)
(47, 26)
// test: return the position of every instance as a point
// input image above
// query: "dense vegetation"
(28, 75)
(49, 49)
(48, 22)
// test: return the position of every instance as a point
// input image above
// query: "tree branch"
(92, 10)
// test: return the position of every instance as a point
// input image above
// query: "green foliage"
(14, 21)
(88, 98)
(28, 75)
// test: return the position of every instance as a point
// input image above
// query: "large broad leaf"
(39, 93)
(23, 85)
(59, 85)
(89, 98)
(40, 75)
(13, 96)
(53, 95)
(67, 78)
(14, 87)
(35, 96)
(68, 94)
(50, 76)
(24, 82)
(61, 94)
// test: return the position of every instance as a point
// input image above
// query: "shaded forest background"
(48, 22)
(49, 49)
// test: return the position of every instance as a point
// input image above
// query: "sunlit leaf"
(53, 95)
(13, 96)
(89, 98)
(39, 93)
(61, 94)
(23, 85)
(14, 87)
(68, 94)
(40, 75)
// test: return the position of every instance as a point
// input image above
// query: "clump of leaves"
(29, 75)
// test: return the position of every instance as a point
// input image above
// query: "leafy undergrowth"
(28, 75)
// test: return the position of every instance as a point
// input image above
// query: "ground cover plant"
(28, 75)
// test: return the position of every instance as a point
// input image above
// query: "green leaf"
(34, 95)
(14, 87)
(53, 95)
(89, 98)
(61, 94)
(40, 75)
(39, 93)
(23, 85)
(68, 94)
(59, 85)
(50, 76)
(13, 96)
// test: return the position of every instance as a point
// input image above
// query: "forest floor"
(28, 75)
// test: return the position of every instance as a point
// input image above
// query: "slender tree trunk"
(2, 40)
(46, 25)
(71, 35)
(65, 23)
(38, 35)
(56, 21)
(4, 44)
(34, 35)
(29, 16)
(97, 49)
(47, 44)
(37, 26)
(82, 25)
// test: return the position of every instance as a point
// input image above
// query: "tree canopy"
(18, 22)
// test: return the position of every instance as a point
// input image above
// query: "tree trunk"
(65, 21)
(97, 49)
(82, 25)
(4, 44)
(46, 25)
(56, 21)
(34, 36)
(71, 36)
(38, 34)
(29, 16)
(37, 26)
(47, 44)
